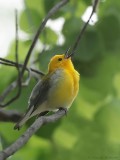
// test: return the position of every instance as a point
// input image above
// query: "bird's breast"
(64, 89)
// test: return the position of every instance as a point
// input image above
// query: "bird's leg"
(42, 114)
(65, 109)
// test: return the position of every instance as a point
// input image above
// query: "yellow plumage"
(57, 89)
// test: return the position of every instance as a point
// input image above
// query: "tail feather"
(20, 123)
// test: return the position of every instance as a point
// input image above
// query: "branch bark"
(40, 29)
(14, 64)
(19, 143)
(9, 116)
(77, 41)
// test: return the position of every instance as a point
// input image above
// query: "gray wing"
(39, 93)
(38, 96)
(41, 90)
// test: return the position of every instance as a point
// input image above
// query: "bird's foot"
(64, 109)
(42, 114)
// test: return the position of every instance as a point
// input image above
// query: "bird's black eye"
(59, 59)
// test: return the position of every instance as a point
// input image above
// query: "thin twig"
(8, 61)
(9, 116)
(29, 17)
(26, 83)
(9, 102)
(19, 143)
(17, 66)
(13, 85)
(39, 54)
(83, 30)
(6, 92)
(14, 64)
(40, 29)
(10, 88)
(16, 46)
(18, 69)
(19, 83)
(5, 63)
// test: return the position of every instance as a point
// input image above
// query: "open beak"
(67, 54)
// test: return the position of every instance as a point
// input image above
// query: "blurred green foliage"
(91, 129)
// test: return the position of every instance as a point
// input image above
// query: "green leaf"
(71, 28)
(102, 82)
(117, 84)
(110, 39)
(65, 137)
(30, 20)
(21, 103)
(8, 138)
(109, 7)
(37, 5)
(108, 117)
(22, 50)
(89, 95)
(49, 4)
(8, 75)
(36, 148)
(49, 36)
(51, 127)
(90, 47)
(80, 7)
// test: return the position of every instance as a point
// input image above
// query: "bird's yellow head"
(60, 61)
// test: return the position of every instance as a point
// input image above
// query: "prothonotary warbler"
(56, 90)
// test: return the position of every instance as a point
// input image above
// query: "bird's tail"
(20, 123)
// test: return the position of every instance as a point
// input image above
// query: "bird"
(56, 90)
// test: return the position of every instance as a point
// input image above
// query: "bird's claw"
(64, 109)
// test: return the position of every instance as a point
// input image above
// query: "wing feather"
(39, 93)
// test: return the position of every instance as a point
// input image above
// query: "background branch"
(95, 4)
(30, 131)
(35, 73)
(14, 64)
(17, 66)
(40, 29)
(6, 92)
(9, 116)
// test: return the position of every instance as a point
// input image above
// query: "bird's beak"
(67, 54)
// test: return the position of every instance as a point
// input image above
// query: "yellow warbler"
(56, 90)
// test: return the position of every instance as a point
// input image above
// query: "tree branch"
(30, 131)
(72, 52)
(8, 90)
(17, 66)
(40, 29)
(13, 85)
(14, 64)
(9, 116)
